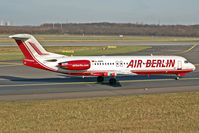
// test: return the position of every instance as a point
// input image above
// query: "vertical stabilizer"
(29, 45)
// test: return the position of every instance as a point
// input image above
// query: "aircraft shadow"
(66, 79)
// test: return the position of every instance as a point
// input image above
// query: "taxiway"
(19, 82)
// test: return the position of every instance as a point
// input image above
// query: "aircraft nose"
(193, 67)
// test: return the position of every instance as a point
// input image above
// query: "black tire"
(112, 81)
(177, 78)
(100, 79)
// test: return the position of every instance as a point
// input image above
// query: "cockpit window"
(186, 62)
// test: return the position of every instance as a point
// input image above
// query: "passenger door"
(179, 66)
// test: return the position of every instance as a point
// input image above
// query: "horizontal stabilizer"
(20, 36)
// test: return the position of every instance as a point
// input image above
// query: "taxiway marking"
(181, 52)
(186, 51)
(45, 84)
(8, 64)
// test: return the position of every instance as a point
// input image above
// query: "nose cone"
(193, 67)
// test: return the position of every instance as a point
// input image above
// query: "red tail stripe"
(36, 49)
(28, 55)
(25, 51)
(40, 65)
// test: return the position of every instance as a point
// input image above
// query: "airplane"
(99, 66)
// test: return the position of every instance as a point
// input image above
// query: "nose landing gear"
(177, 78)
(179, 75)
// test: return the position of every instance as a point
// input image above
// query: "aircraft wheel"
(177, 78)
(112, 81)
(100, 79)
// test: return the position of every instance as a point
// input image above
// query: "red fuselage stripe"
(93, 73)
(161, 71)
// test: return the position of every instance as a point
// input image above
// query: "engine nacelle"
(76, 65)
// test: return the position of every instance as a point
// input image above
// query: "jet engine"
(75, 65)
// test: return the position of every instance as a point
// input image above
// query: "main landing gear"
(100, 79)
(112, 81)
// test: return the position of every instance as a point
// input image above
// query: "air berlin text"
(151, 63)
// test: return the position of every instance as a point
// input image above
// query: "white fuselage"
(127, 64)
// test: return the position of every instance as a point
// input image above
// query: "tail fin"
(29, 45)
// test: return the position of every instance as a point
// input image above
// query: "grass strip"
(101, 38)
(14, 53)
(143, 113)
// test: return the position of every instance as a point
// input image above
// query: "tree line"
(106, 29)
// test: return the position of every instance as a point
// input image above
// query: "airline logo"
(154, 63)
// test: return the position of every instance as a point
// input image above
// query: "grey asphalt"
(18, 82)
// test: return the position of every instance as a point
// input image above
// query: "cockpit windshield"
(186, 62)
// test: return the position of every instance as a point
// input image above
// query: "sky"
(37, 12)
